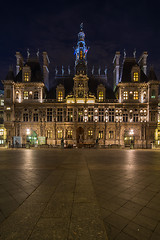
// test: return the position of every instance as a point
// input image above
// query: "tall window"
(36, 95)
(59, 134)
(60, 96)
(135, 117)
(100, 96)
(80, 114)
(59, 114)
(80, 54)
(111, 114)
(8, 93)
(125, 117)
(25, 117)
(8, 117)
(26, 77)
(100, 135)
(35, 117)
(153, 95)
(135, 76)
(110, 134)
(125, 95)
(49, 114)
(101, 114)
(135, 95)
(69, 134)
(70, 114)
(90, 114)
(25, 95)
(49, 134)
(90, 133)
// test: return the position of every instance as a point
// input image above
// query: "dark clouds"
(53, 26)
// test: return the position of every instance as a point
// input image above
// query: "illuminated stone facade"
(80, 117)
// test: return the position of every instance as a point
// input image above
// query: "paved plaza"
(79, 194)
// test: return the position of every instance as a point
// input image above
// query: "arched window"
(36, 95)
(100, 96)
(60, 96)
(153, 94)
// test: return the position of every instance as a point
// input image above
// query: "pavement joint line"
(46, 205)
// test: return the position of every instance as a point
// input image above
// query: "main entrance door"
(80, 137)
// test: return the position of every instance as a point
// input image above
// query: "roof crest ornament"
(37, 53)
(28, 53)
(125, 53)
(134, 53)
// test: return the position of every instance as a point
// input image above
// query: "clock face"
(80, 94)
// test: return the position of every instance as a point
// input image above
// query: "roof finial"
(37, 53)
(134, 53)
(124, 53)
(81, 26)
(28, 53)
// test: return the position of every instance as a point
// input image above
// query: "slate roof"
(68, 83)
(152, 75)
(10, 75)
(36, 73)
(127, 68)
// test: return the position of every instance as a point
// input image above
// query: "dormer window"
(135, 76)
(25, 95)
(135, 95)
(60, 96)
(26, 77)
(125, 95)
(101, 96)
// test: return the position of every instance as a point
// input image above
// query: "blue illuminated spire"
(81, 49)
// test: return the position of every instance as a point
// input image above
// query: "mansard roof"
(36, 73)
(152, 75)
(128, 64)
(10, 75)
(68, 83)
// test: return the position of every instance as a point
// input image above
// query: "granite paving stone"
(80, 194)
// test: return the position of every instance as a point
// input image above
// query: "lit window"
(100, 135)
(100, 96)
(1, 132)
(80, 54)
(135, 95)
(60, 96)
(90, 133)
(125, 95)
(59, 134)
(26, 77)
(49, 134)
(2, 102)
(25, 95)
(135, 76)
(69, 134)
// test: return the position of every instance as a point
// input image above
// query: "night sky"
(53, 26)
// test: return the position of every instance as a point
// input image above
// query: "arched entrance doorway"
(80, 137)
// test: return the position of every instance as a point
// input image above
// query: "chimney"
(20, 62)
(116, 69)
(46, 63)
(143, 62)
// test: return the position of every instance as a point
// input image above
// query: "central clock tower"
(81, 79)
